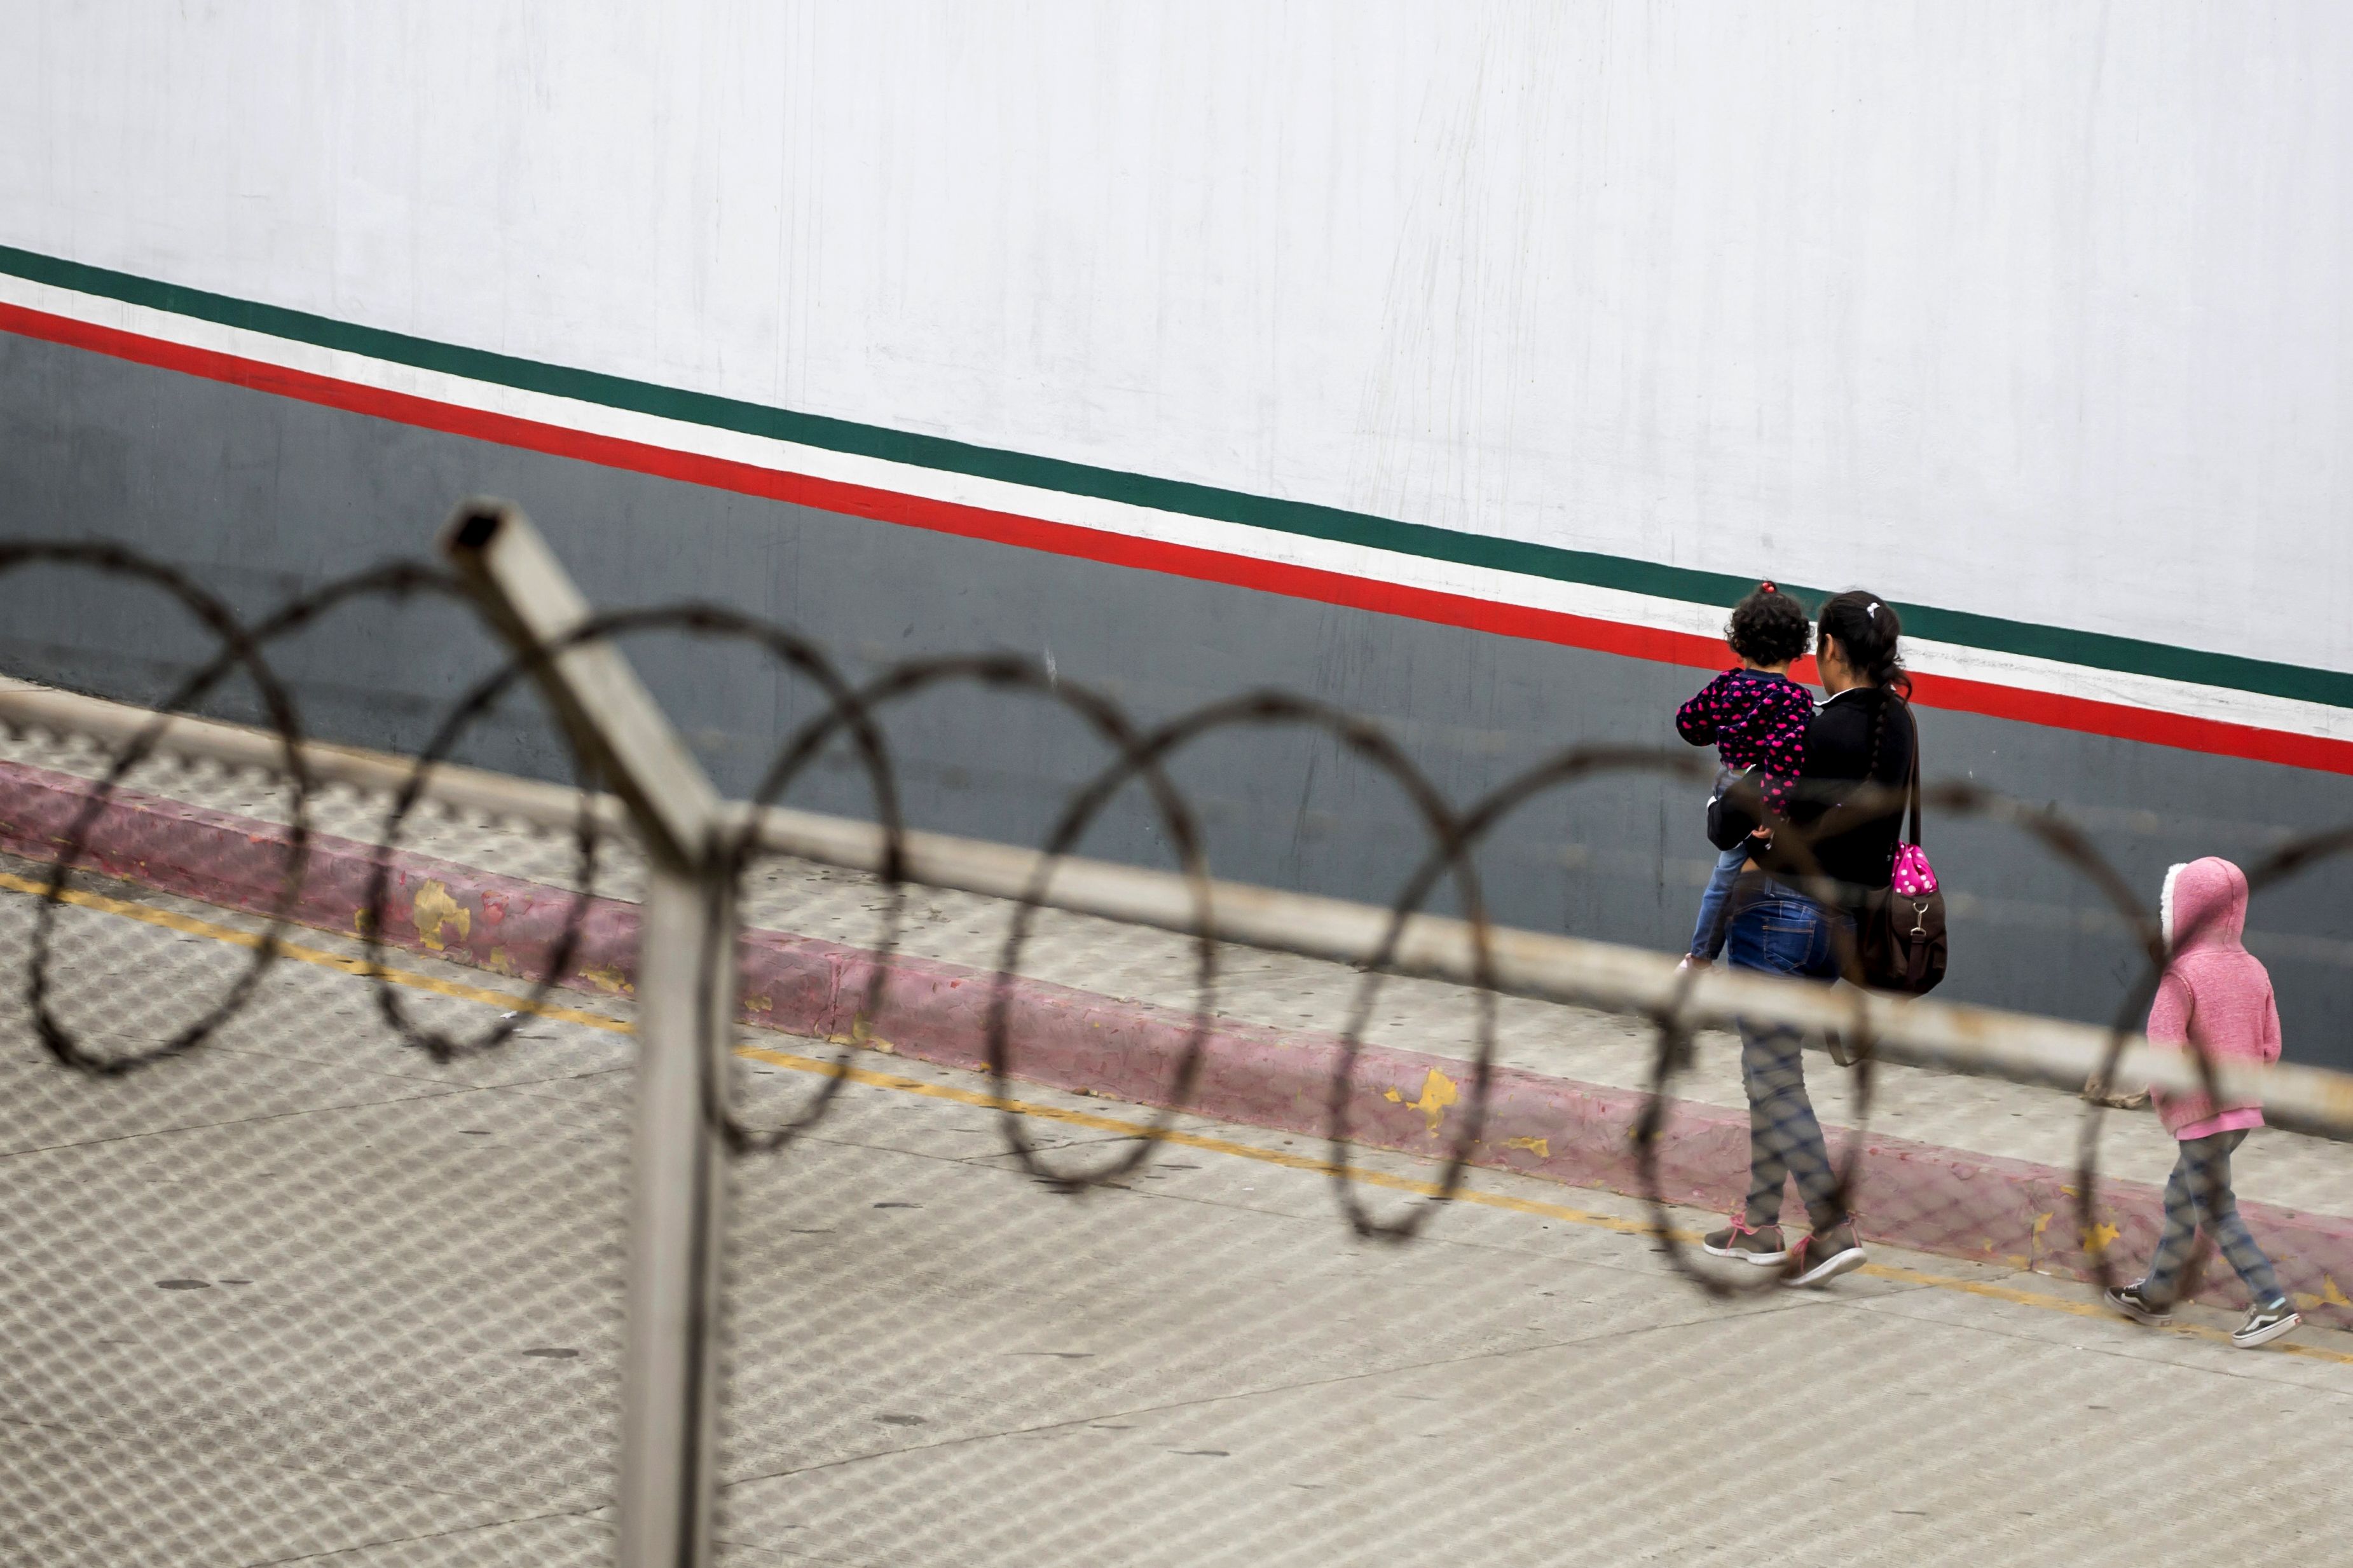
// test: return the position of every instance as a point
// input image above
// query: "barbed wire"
(849, 713)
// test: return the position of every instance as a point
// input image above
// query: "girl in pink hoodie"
(2217, 995)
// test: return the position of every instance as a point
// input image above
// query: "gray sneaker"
(1820, 1257)
(2265, 1324)
(1759, 1244)
(2133, 1302)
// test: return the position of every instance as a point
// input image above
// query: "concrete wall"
(2030, 309)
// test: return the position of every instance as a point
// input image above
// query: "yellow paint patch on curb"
(606, 978)
(435, 911)
(1540, 1147)
(1438, 1092)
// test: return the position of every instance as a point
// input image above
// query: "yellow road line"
(1188, 1139)
(900, 1084)
(188, 925)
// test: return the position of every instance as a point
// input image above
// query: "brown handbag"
(1899, 938)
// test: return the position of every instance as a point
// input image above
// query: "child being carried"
(1754, 716)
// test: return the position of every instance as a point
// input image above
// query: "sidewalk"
(306, 1295)
(1967, 1167)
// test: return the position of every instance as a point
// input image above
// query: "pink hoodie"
(2215, 993)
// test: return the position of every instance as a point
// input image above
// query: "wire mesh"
(299, 1290)
(1034, 1255)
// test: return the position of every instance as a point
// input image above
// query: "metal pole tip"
(473, 525)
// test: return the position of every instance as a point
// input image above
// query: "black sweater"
(1852, 844)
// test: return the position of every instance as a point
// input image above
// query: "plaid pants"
(1778, 932)
(2199, 1193)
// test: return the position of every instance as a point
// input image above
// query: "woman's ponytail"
(1867, 629)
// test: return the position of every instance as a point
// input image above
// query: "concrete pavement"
(306, 1296)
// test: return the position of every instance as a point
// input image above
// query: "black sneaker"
(1757, 1244)
(2134, 1303)
(1820, 1257)
(2265, 1324)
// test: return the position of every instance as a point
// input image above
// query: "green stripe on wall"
(2091, 649)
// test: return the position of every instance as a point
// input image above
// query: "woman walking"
(1793, 912)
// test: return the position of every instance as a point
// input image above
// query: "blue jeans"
(1707, 936)
(1778, 932)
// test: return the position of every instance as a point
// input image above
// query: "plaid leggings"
(2199, 1193)
(1785, 1138)
(1778, 932)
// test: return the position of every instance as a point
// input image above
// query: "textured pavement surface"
(304, 1295)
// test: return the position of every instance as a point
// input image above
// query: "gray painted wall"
(261, 496)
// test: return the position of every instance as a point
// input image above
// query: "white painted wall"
(2036, 308)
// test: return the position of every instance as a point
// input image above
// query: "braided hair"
(1867, 629)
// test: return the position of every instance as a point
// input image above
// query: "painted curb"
(1911, 1195)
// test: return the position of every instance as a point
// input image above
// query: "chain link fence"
(295, 1286)
(1069, 1215)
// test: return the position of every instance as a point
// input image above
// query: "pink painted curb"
(1918, 1195)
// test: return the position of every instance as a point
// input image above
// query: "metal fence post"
(685, 997)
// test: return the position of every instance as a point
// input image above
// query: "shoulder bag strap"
(1914, 786)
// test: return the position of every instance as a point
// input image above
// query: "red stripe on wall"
(1954, 693)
